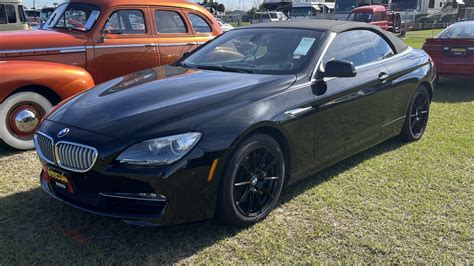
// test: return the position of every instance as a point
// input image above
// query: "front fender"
(64, 80)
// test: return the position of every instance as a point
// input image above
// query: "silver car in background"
(272, 16)
(224, 25)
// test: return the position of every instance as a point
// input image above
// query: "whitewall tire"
(20, 115)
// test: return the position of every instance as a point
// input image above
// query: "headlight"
(161, 151)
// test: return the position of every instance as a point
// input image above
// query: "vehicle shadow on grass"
(36, 229)
(450, 90)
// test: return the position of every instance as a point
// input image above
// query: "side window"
(382, 48)
(359, 47)
(169, 22)
(379, 16)
(21, 12)
(73, 19)
(375, 17)
(383, 16)
(431, 4)
(199, 24)
(126, 22)
(3, 15)
(11, 14)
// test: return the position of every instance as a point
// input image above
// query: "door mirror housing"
(101, 38)
(185, 55)
(338, 68)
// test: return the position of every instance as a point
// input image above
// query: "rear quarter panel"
(408, 69)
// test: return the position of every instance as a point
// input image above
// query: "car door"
(125, 46)
(202, 29)
(173, 34)
(351, 111)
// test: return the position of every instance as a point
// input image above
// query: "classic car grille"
(45, 147)
(75, 157)
(68, 155)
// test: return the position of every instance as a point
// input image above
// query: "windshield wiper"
(182, 64)
(227, 69)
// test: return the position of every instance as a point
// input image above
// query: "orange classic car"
(86, 42)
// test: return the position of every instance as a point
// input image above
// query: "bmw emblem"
(63, 132)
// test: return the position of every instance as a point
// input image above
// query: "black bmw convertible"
(221, 132)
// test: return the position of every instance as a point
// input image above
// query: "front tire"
(20, 115)
(252, 182)
(417, 115)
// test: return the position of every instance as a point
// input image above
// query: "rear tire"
(252, 182)
(20, 115)
(417, 115)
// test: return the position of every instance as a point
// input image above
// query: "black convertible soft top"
(336, 26)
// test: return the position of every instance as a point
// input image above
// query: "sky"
(230, 4)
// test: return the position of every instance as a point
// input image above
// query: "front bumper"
(182, 191)
(122, 208)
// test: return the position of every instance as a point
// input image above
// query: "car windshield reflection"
(278, 52)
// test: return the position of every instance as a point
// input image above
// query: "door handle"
(383, 77)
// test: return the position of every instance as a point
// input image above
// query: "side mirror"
(185, 55)
(101, 38)
(338, 68)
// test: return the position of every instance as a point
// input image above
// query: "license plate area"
(458, 51)
(60, 179)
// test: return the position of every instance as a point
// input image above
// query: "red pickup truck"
(378, 15)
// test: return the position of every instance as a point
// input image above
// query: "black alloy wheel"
(417, 116)
(252, 183)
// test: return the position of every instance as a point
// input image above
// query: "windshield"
(360, 16)
(464, 30)
(345, 5)
(73, 16)
(259, 51)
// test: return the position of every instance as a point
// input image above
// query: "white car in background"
(272, 16)
(224, 26)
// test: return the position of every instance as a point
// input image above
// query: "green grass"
(395, 203)
(416, 38)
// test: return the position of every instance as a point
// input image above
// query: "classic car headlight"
(161, 151)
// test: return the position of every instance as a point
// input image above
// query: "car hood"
(165, 100)
(37, 39)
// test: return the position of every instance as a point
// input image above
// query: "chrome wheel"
(24, 119)
(20, 117)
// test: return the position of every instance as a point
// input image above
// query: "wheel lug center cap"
(254, 180)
